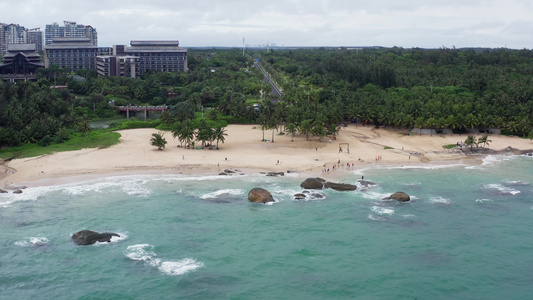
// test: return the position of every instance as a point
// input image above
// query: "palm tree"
(484, 139)
(158, 141)
(219, 134)
(291, 129)
(470, 141)
(306, 126)
(84, 125)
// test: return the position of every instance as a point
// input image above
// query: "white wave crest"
(382, 210)
(377, 218)
(145, 253)
(439, 199)
(231, 192)
(502, 189)
(483, 200)
(32, 241)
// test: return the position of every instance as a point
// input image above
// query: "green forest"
(459, 89)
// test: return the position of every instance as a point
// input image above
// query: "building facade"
(70, 29)
(120, 66)
(143, 57)
(162, 56)
(71, 53)
(11, 34)
(20, 63)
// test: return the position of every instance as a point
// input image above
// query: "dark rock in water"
(2, 191)
(260, 195)
(229, 171)
(87, 237)
(292, 171)
(275, 174)
(223, 173)
(398, 196)
(299, 196)
(340, 186)
(313, 183)
(317, 196)
(18, 191)
(366, 183)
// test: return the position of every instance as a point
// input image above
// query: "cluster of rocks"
(230, 172)
(17, 190)
(260, 195)
(319, 183)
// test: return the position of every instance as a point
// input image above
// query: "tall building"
(34, 36)
(70, 29)
(143, 57)
(71, 53)
(11, 34)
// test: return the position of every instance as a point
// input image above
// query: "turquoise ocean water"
(466, 234)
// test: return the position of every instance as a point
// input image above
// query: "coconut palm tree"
(158, 141)
(291, 129)
(84, 125)
(470, 141)
(219, 134)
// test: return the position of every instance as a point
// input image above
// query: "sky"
(224, 23)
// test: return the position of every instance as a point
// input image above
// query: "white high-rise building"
(70, 29)
(12, 34)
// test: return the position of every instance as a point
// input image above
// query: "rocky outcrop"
(366, 182)
(340, 186)
(313, 183)
(87, 237)
(17, 191)
(223, 173)
(2, 191)
(306, 195)
(398, 196)
(260, 195)
(275, 174)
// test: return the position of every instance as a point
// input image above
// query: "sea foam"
(145, 253)
(502, 189)
(32, 242)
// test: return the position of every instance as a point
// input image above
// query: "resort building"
(120, 66)
(70, 29)
(163, 56)
(143, 57)
(71, 53)
(20, 63)
(11, 34)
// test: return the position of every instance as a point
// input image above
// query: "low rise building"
(120, 66)
(20, 63)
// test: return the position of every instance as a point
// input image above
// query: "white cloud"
(407, 23)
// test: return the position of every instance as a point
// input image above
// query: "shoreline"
(364, 147)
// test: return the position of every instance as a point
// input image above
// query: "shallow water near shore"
(466, 234)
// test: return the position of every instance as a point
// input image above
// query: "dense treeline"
(438, 88)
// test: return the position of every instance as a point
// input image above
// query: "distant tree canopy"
(431, 88)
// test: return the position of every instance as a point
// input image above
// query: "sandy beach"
(243, 149)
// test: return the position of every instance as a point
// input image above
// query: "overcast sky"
(402, 23)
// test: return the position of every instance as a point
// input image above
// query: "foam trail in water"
(231, 192)
(439, 199)
(144, 252)
(382, 210)
(502, 189)
(32, 241)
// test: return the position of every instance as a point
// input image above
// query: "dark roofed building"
(20, 63)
